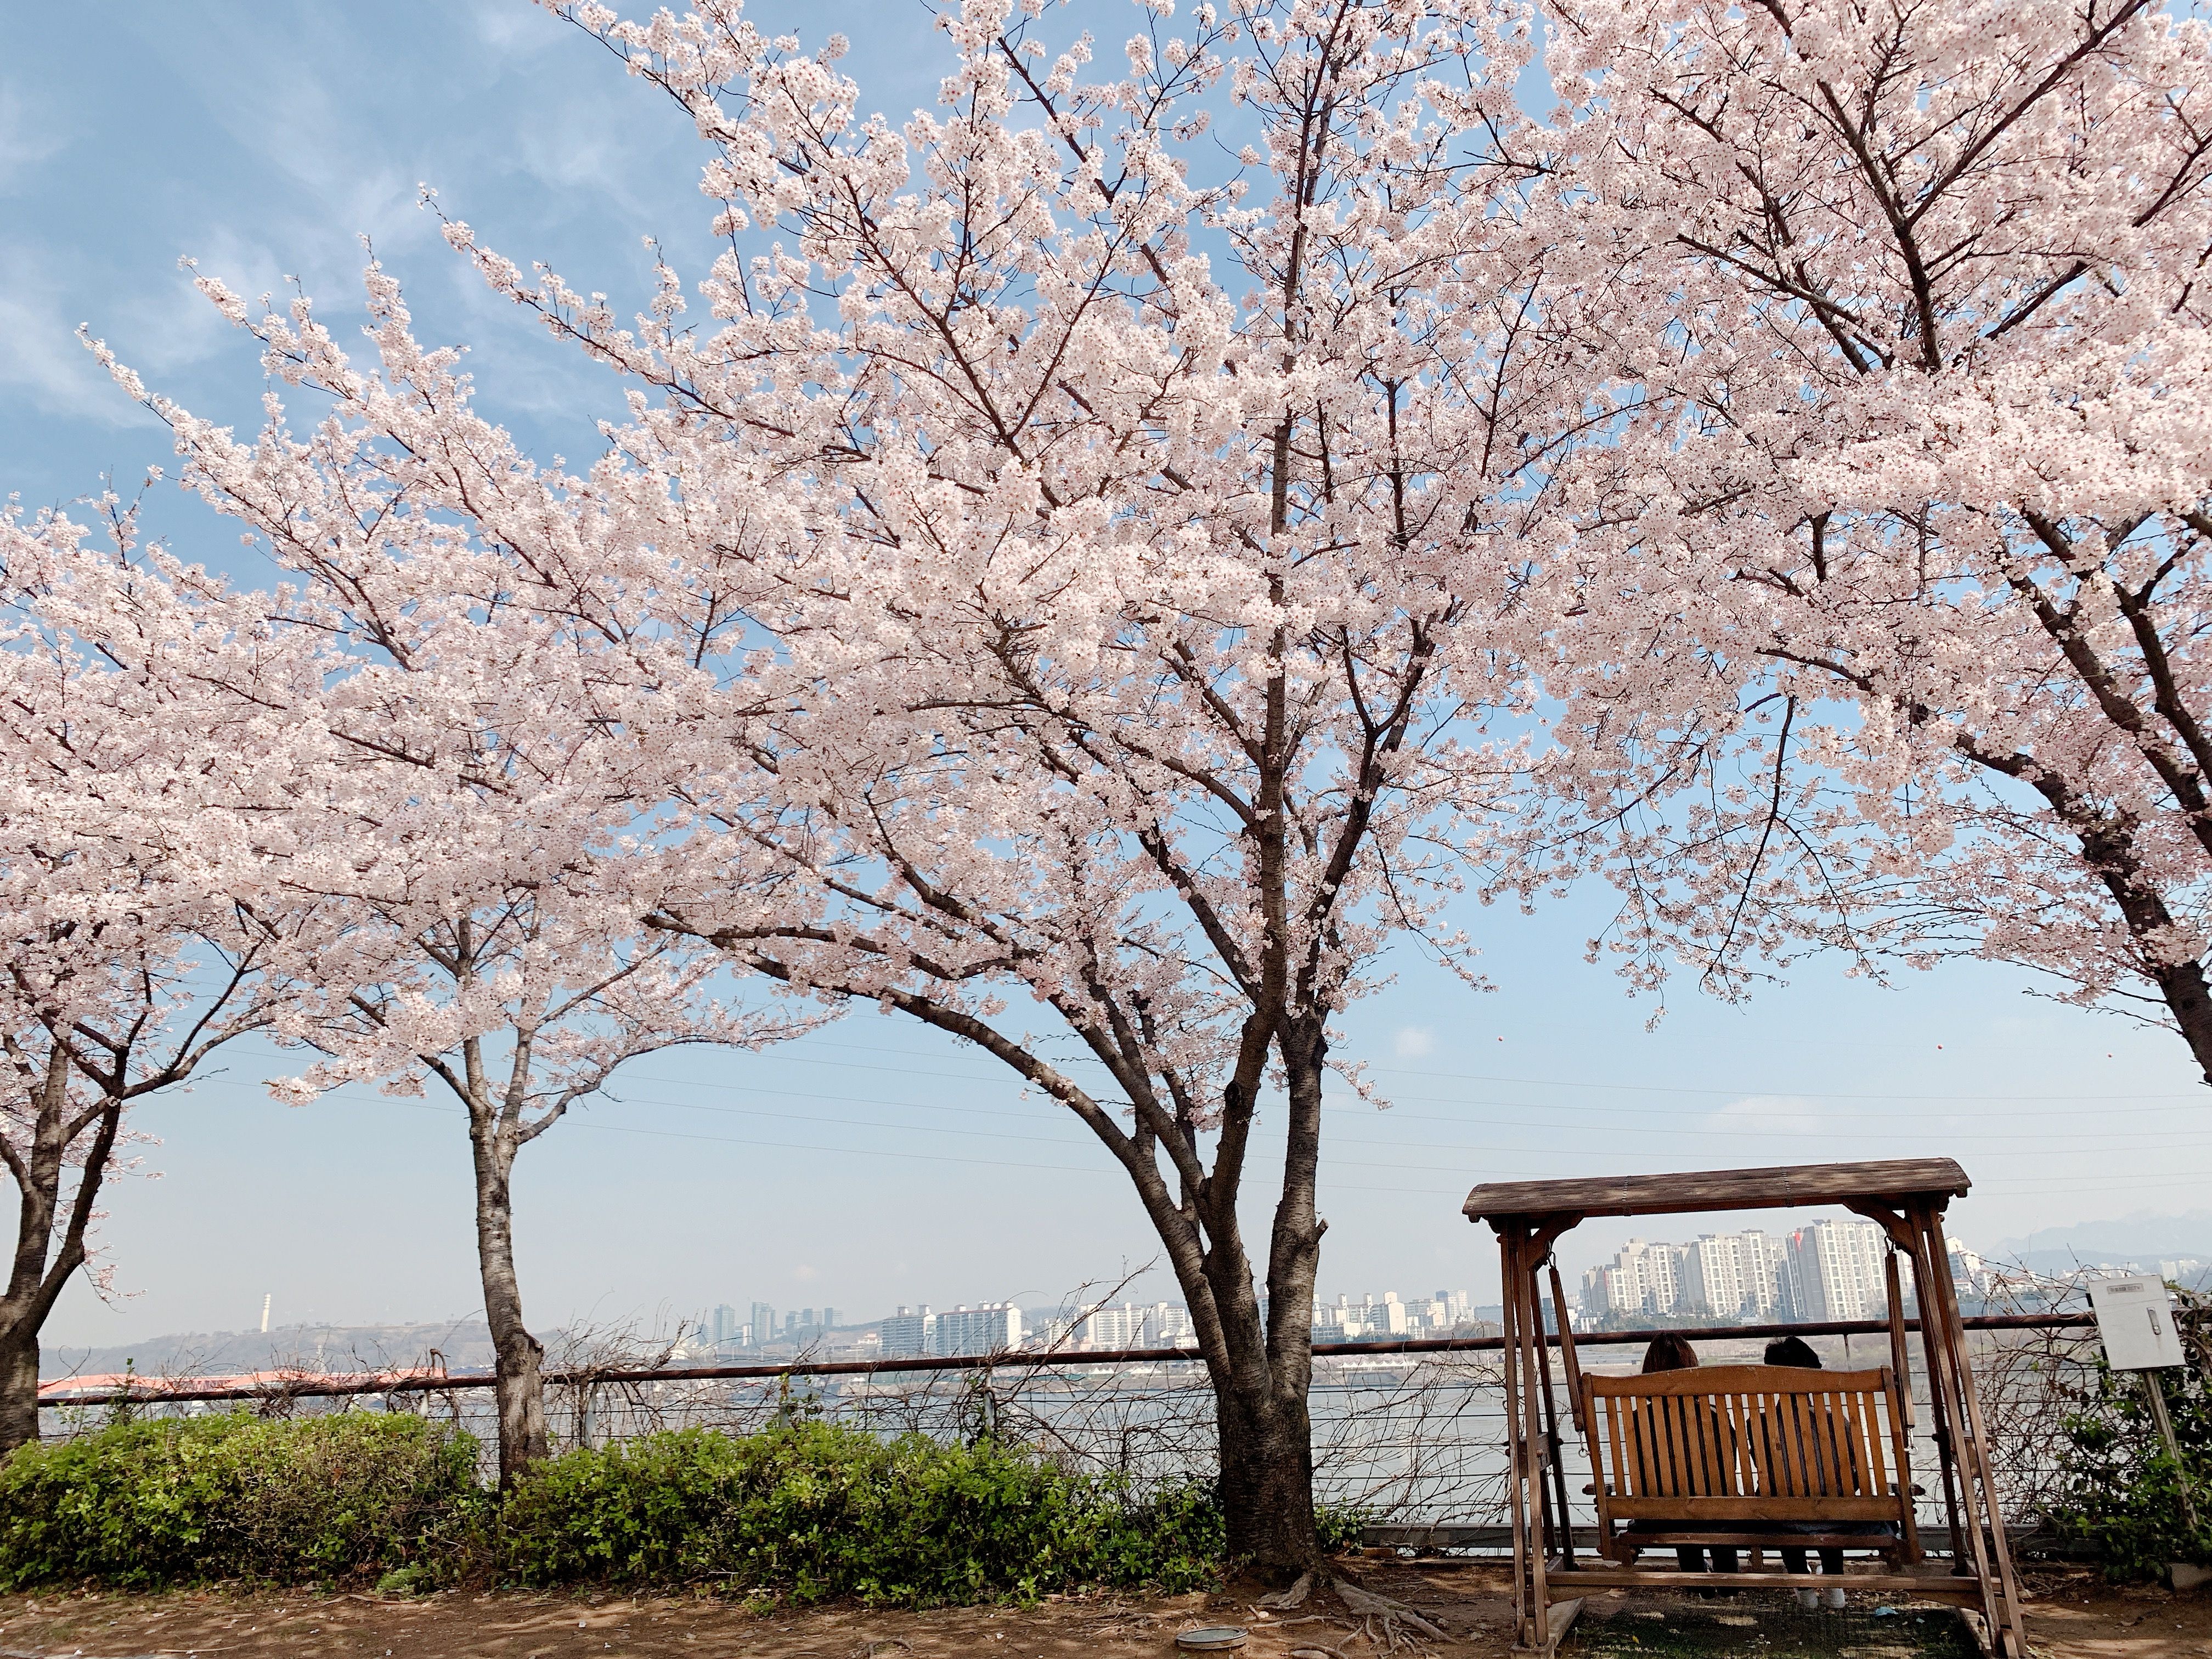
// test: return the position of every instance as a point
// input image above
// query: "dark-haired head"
(1792, 1350)
(1669, 1353)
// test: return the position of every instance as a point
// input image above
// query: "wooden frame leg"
(1939, 1305)
(1528, 1610)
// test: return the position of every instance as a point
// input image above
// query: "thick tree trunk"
(518, 1388)
(1263, 1370)
(2108, 845)
(42, 1263)
(2190, 1003)
(1267, 1480)
(19, 1393)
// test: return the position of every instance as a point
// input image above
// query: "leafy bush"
(809, 1510)
(2119, 1492)
(238, 1496)
(820, 1510)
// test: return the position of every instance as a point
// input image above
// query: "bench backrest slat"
(1796, 1441)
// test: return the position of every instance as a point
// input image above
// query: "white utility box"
(2135, 1321)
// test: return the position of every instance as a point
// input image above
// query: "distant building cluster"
(1159, 1325)
(1829, 1270)
(993, 1327)
(719, 1327)
(1346, 1321)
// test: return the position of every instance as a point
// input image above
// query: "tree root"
(1282, 1600)
(1380, 1617)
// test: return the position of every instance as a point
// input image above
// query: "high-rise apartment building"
(1641, 1277)
(1712, 1275)
(1105, 1327)
(1726, 1275)
(908, 1335)
(764, 1322)
(992, 1328)
(1167, 1325)
(1733, 1274)
(1766, 1274)
(1835, 1271)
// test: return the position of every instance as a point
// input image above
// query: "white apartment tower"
(1106, 1328)
(992, 1328)
(1643, 1278)
(1728, 1275)
(1741, 1275)
(1836, 1270)
(908, 1335)
(1713, 1274)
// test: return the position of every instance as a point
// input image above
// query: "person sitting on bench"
(1674, 1353)
(1797, 1353)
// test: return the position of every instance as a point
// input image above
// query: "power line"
(2201, 1095)
(2166, 1142)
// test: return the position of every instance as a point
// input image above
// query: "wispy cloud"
(1771, 1114)
(30, 133)
(1413, 1042)
(40, 361)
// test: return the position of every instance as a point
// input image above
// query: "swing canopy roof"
(1898, 1181)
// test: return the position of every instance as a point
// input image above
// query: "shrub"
(819, 1511)
(809, 1510)
(343, 1496)
(2119, 1492)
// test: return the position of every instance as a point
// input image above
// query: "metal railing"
(1410, 1431)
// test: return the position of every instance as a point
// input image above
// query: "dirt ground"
(2072, 1615)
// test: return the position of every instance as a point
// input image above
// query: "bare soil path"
(2073, 1615)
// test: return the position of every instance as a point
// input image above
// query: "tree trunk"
(2108, 846)
(1267, 1480)
(518, 1387)
(1263, 1370)
(41, 1264)
(2190, 1003)
(19, 1393)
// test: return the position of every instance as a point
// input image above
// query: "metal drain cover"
(1215, 1639)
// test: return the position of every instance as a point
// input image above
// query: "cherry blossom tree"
(1152, 630)
(1889, 621)
(130, 692)
(480, 834)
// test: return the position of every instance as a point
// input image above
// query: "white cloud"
(28, 135)
(40, 359)
(1414, 1042)
(1771, 1113)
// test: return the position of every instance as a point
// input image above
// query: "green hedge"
(817, 1511)
(810, 1511)
(238, 1496)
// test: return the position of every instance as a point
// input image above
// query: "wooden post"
(1526, 1615)
(1900, 1359)
(1939, 1306)
(1532, 1456)
(1552, 1447)
(2157, 1398)
(1568, 1362)
(1947, 1447)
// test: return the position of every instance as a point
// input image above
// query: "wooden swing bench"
(1747, 1457)
(1726, 1454)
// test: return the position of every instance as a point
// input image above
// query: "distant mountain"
(464, 1345)
(2099, 1243)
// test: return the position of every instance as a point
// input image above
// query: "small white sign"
(2135, 1321)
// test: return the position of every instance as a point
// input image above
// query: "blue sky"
(871, 1165)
